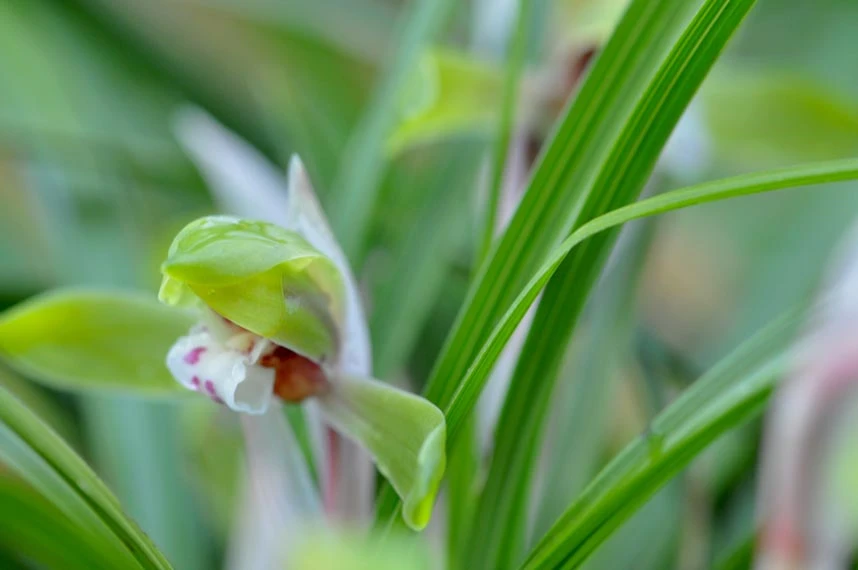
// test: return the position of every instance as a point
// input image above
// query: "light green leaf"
(620, 177)
(449, 93)
(262, 277)
(465, 397)
(357, 183)
(732, 392)
(405, 434)
(604, 147)
(30, 447)
(776, 118)
(324, 550)
(35, 530)
(585, 24)
(81, 339)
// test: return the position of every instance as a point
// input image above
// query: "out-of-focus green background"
(93, 185)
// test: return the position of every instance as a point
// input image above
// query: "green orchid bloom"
(256, 314)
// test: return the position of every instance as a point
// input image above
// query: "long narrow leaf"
(465, 397)
(621, 178)
(33, 529)
(833, 171)
(734, 391)
(553, 199)
(45, 461)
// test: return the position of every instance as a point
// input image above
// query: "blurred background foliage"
(93, 184)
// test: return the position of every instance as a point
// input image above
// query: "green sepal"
(79, 339)
(264, 278)
(405, 434)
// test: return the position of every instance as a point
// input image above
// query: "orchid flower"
(271, 324)
(257, 314)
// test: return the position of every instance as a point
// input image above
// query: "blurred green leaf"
(762, 117)
(78, 339)
(463, 400)
(405, 434)
(621, 176)
(448, 93)
(581, 409)
(326, 551)
(46, 462)
(583, 24)
(440, 186)
(505, 125)
(34, 530)
(39, 400)
(358, 180)
(732, 392)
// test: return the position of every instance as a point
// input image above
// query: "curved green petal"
(262, 277)
(79, 339)
(405, 434)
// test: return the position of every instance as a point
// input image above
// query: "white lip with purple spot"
(226, 370)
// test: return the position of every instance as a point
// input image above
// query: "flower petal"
(199, 362)
(263, 278)
(307, 218)
(405, 434)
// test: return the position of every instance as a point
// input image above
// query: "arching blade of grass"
(622, 175)
(34, 530)
(734, 391)
(46, 462)
(556, 191)
(464, 398)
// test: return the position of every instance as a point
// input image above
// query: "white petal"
(241, 180)
(307, 218)
(199, 362)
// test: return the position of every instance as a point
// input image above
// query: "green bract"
(260, 276)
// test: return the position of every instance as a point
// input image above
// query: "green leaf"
(465, 397)
(359, 552)
(621, 177)
(28, 446)
(410, 295)
(264, 278)
(34, 530)
(583, 24)
(449, 93)
(759, 117)
(556, 192)
(732, 392)
(357, 183)
(506, 118)
(581, 404)
(405, 434)
(83, 339)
